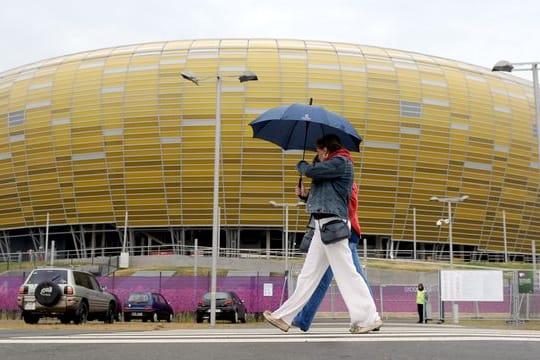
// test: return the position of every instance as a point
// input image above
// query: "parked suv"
(68, 294)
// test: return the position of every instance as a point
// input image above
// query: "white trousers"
(353, 288)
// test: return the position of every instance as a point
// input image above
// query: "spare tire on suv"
(48, 293)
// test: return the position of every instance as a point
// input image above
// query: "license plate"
(136, 314)
(217, 310)
(30, 306)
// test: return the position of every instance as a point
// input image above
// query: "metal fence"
(399, 300)
(14, 259)
(268, 292)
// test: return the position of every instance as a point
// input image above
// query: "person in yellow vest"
(420, 302)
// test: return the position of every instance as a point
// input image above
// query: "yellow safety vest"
(420, 296)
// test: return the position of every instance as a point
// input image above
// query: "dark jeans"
(305, 317)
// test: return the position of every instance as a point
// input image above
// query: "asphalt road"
(329, 340)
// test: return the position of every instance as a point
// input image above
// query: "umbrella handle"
(300, 181)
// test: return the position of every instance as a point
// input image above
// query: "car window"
(93, 282)
(219, 296)
(56, 276)
(138, 298)
(82, 279)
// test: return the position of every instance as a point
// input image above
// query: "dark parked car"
(228, 307)
(148, 306)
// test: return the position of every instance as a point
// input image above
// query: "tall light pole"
(507, 66)
(449, 201)
(246, 76)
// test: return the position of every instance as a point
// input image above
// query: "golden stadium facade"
(90, 136)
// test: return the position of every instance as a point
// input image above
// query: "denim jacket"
(330, 186)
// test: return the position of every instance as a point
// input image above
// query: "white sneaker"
(376, 326)
(280, 324)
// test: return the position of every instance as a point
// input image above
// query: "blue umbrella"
(298, 126)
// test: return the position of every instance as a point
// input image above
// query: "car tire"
(30, 318)
(81, 315)
(199, 319)
(234, 317)
(127, 318)
(109, 315)
(170, 318)
(47, 293)
(65, 319)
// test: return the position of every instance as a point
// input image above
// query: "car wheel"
(47, 293)
(234, 318)
(30, 318)
(65, 319)
(154, 317)
(170, 318)
(109, 315)
(127, 318)
(81, 315)
(199, 319)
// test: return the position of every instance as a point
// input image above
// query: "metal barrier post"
(381, 297)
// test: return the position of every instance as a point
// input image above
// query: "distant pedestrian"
(421, 302)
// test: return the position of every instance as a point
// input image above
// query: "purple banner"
(182, 292)
(9, 286)
(261, 293)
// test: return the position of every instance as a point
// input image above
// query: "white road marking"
(319, 334)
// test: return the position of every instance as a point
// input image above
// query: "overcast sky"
(479, 32)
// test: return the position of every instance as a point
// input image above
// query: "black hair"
(330, 141)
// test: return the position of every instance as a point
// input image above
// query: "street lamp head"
(273, 203)
(434, 198)
(503, 65)
(248, 76)
(464, 197)
(191, 77)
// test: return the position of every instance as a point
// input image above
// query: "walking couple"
(331, 200)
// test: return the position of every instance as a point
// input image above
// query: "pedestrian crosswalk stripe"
(319, 334)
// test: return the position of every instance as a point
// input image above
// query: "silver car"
(68, 294)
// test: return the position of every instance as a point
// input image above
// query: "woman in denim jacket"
(331, 183)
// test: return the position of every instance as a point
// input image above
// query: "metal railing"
(99, 254)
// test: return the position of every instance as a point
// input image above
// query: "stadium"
(112, 141)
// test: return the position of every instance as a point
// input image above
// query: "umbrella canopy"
(298, 126)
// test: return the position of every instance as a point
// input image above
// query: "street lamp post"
(507, 66)
(449, 201)
(246, 76)
(286, 242)
(286, 227)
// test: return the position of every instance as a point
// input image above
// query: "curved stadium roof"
(88, 136)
